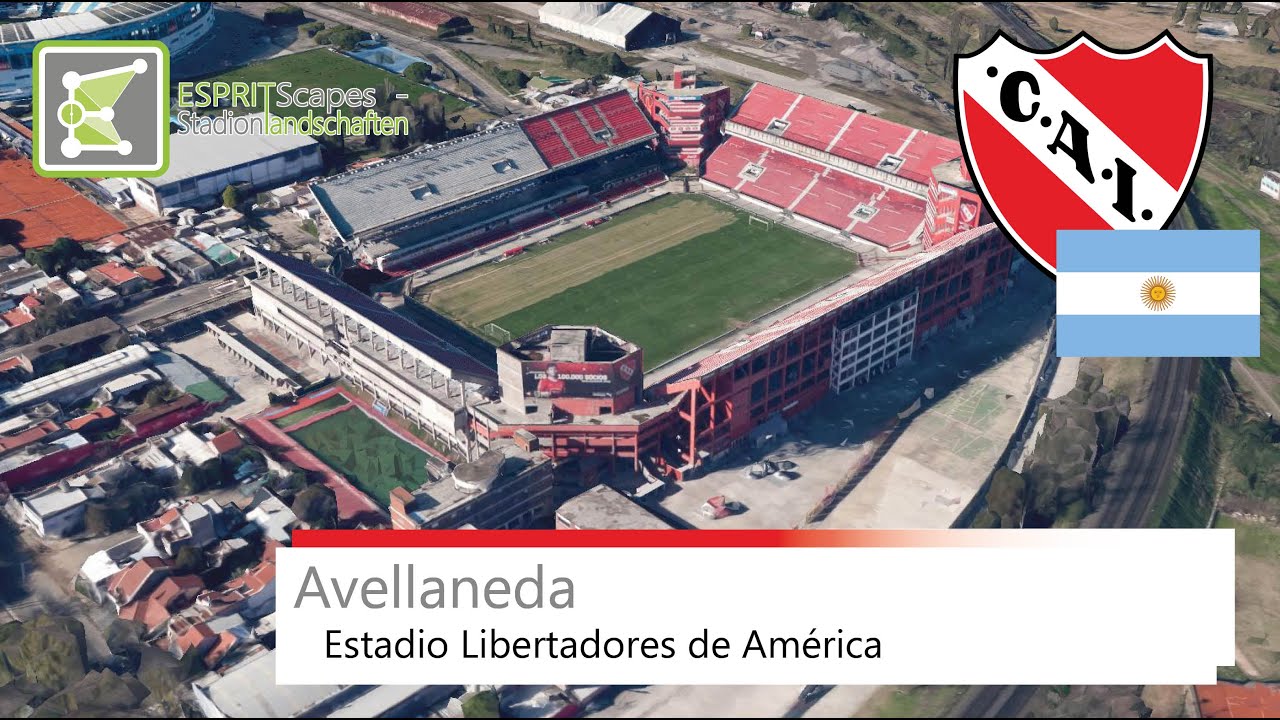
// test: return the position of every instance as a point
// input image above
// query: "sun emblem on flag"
(1157, 293)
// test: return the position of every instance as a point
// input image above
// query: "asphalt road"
(179, 300)
(487, 93)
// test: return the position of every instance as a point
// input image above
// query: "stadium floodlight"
(89, 110)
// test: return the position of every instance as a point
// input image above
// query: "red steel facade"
(688, 114)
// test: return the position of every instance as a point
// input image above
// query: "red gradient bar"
(680, 538)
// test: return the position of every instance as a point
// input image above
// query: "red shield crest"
(1082, 137)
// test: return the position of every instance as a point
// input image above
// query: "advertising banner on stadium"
(551, 379)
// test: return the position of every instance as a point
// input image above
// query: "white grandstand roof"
(88, 17)
(603, 22)
(102, 367)
(431, 178)
(192, 156)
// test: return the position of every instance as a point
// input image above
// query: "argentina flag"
(1158, 293)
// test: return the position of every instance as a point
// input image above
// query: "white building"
(412, 372)
(1271, 184)
(249, 690)
(58, 510)
(76, 382)
(202, 166)
(619, 25)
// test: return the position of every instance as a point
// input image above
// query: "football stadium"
(179, 25)
(657, 322)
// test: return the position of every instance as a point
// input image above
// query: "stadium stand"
(447, 199)
(867, 140)
(585, 130)
(839, 201)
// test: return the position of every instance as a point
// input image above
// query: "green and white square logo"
(101, 108)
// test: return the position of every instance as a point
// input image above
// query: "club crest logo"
(1082, 137)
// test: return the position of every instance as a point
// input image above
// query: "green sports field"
(323, 68)
(367, 453)
(668, 275)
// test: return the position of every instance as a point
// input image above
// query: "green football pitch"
(668, 275)
(367, 453)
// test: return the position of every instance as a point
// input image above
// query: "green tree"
(231, 197)
(1192, 20)
(102, 518)
(1179, 12)
(283, 15)
(483, 704)
(746, 30)
(317, 507)
(1242, 22)
(418, 72)
(189, 561)
(160, 394)
(196, 478)
(312, 28)
(124, 635)
(1053, 23)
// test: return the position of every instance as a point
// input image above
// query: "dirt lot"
(1126, 25)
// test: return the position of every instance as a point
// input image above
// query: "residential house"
(136, 580)
(119, 278)
(1270, 184)
(252, 594)
(58, 510)
(272, 515)
(183, 524)
(171, 594)
(98, 419)
(101, 567)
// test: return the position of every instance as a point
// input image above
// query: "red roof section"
(414, 12)
(844, 132)
(151, 274)
(18, 316)
(1227, 700)
(77, 423)
(161, 521)
(228, 441)
(115, 273)
(10, 364)
(28, 436)
(47, 209)
(129, 581)
(587, 129)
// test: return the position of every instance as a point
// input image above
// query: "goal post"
(495, 331)
(754, 220)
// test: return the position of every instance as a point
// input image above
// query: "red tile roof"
(125, 584)
(161, 521)
(228, 441)
(17, 317)
(1228, 700)
(77, 423)
(226, 641)
(151, 274)
(10, 364)
(115, 273)
(47, 209)
(28, 436)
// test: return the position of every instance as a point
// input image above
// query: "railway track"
(1149, 454)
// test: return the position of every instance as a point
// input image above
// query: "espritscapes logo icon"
(101, 108)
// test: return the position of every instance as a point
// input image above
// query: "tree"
(316, 506)
(1179, 12)
(161, 394)
(101, 518)
(196, 478)
(283, 15)
(1192, 21)
(231, 197)
(1053, 23)
(1242, 22)
(483, 704)
(124, 635)
(189, 561)
(746, 30)
(290, 483)
(63, 255)
(312, 28)
(418, 72)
